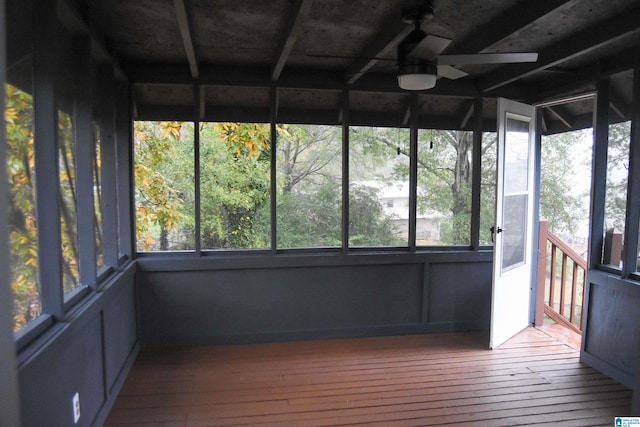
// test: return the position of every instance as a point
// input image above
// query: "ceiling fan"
(419, 58)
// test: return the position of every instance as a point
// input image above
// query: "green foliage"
(235, 184)
(558, 203)
(22, 214)
(368, 224)
(68, 202)
(444, 181)
(309, 170)
(617, 173)
(312, 219)
(160, 172)
(488, 186)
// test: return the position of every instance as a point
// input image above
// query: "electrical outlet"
(76, 407)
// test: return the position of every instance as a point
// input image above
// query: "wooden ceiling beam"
(294, 25)
(73, 21)
(406, 107)
(395, 30)
(466, 113)
(618, 105)
(187, 36)
(561, 114)
(544, 120)
(554, 87)
(392, 33)
(294, 78)
(202, 107)
(505, 25)
(588, 40)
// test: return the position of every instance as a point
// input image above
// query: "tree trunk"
(164, 239)
(461, 206)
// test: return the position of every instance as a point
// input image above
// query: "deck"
(533, 379)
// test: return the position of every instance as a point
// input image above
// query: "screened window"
(488, 186)
(565, 186)
(46, 169)
(309, 177)
(638, 252)
(164, 186)
(444, 187)
(235, 185)
(97, 194)
(616, 193)
(378, 173)
(68, 202)
(22, 204)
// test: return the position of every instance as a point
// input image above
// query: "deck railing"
(561, 281)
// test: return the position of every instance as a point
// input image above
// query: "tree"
(617, 175)
(22, 214)
(309, 171)
(309, 155)
(368, 224)
(68, 202)
(559, 204)
(158, 199)
(235, 185)
(444, 173)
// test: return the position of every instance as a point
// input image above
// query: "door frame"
(534, 199)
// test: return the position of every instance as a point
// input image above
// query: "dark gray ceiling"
(312, 51)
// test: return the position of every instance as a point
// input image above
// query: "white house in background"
(394, 198)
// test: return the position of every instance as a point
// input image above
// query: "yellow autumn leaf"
(10, 115)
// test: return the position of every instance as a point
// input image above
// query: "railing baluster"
(557, 313)
(552, 277)
(574, 285)
(563, 281)
(584, 295)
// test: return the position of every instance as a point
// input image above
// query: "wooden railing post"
(542, 272)
(578, 264)
(612, 248)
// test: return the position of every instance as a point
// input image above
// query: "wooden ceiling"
(249, 56)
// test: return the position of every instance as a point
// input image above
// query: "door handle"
(494, 230)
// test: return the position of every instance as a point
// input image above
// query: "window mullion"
(345, 171)
(196, 167)
(413, 170)
(108, 169)
(85, 148)
(599, 174)
(46, 159)
(630, 255)
(273, 94)
(124, 164)
(476, 173)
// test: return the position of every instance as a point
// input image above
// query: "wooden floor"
(533, 379)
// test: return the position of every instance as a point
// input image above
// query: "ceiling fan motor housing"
(408, 64)
(418, 14)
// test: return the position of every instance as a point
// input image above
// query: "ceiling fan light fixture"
(416, 81)
(417, 77)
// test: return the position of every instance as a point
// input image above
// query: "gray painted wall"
(90, 354)
(260, 299)
(9, 404)
(612, 327)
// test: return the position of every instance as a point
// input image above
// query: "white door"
(513, 258)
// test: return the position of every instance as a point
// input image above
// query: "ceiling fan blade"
(430, 47)
(374, 70)
(450, 72)
(372, 58)
(487, 58)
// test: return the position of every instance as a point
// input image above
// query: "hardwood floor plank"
(533, 379)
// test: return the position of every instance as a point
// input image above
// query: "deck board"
(533, 379)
